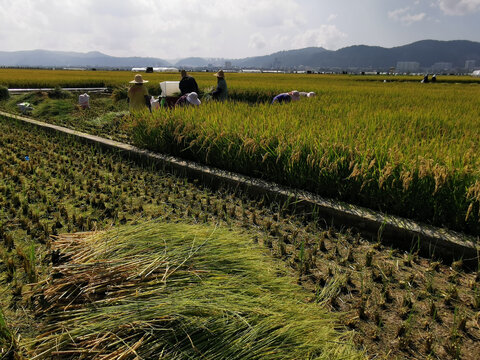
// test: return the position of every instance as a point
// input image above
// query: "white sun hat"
(192, 98)
(295, 95)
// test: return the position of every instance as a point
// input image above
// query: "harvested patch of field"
(171, 290)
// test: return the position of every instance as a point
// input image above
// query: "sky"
(233, 29)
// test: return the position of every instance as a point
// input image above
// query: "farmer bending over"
(293, 95)
(188, 99)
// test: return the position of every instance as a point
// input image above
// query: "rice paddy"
(403, 148)
(375, 145)
(384, 302)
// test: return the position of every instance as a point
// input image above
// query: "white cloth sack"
(25, 107)
(84, 101)
(155, 103)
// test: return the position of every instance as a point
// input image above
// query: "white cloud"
(459, 7)
(327, 36)
(405, 16)
(268, 13)
(412, 18)
(147, 27)
(209, 28)
(257, 42)
(332, 17)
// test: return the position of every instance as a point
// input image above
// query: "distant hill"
(283, 59)
(425, 52)
(192, 62)
(46, 58)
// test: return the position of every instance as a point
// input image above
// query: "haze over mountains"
(457, 54)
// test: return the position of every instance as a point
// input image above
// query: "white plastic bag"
(155, 103)
(25, 107)
(84, 101)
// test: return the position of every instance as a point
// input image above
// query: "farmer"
(221, 92)
(293, 95)
(138, 97)
(188, 99)
(307, 94)
(187, 84)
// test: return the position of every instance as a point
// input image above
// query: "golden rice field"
(409, 149)
(399, 146)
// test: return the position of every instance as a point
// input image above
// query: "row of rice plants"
(366, 144)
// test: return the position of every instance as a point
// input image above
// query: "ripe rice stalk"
(159, 290)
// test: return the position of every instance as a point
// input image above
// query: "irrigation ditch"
(402, 233)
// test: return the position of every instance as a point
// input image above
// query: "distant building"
(441, 66)
(154, 69)
(407, 66)
(470, 65)
(228, 64)
(165, 69)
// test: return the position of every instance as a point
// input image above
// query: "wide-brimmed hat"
(219, 74)
(192, 98)
(138, 80)
(295, 95)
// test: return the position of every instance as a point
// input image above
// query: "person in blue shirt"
(293, 95)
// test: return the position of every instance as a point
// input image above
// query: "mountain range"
(426, 53)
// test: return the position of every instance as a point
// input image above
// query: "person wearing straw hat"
(221, 92)
(187, 84)
(138, 97)
(293, 95)
(188, 99)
